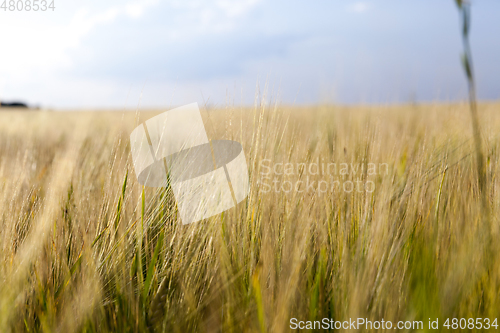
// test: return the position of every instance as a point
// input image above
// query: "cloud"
(198, 58)
(136, 9)
(82, 23)
(215, 15)
(52, 38)
(232, 8)
(359, 7)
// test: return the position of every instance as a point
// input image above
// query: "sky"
(151, 53)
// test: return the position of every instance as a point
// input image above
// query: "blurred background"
(116, 54)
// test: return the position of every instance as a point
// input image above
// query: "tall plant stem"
(464, 8)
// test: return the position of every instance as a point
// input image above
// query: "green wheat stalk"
(464, 9)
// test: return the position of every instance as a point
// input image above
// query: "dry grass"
(85, 248)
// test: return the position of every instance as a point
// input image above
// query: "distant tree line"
(13, 105)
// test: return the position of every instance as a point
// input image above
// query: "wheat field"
(85, 248)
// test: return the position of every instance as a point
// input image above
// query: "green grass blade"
(152, 266)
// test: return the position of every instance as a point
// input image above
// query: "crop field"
(367, 212)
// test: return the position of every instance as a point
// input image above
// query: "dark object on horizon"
(13, 105)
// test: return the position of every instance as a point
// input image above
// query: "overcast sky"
(98, 53)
